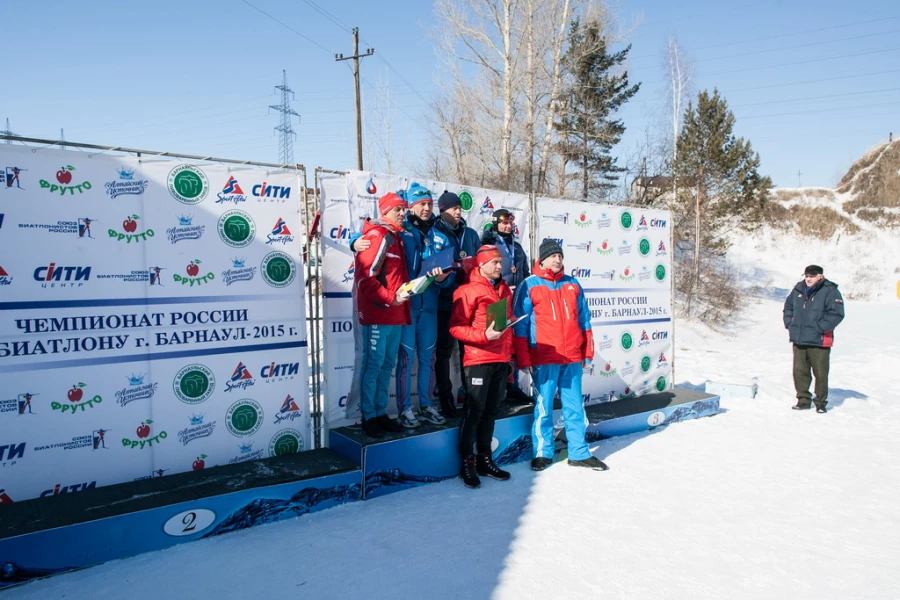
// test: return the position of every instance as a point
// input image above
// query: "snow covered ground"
(757, 502)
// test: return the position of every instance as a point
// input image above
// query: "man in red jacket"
(380, 270)
(485, 363)
(555, 341)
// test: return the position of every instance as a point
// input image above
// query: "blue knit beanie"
(418, 193)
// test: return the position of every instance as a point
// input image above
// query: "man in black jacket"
(811, 312)
(500, 233)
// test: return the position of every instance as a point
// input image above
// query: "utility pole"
(62, 138)
(355, 58)
(798, 178)
(286, 132)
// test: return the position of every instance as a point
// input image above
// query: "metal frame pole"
(26, 140)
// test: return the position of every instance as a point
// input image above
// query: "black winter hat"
(813, 270)
(549, 247)
(448, 200)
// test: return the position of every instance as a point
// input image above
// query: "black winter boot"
(468, 472)
(486, 467)
(517, 397)
(591, 462)
(371, 428)
(448, 407)
(540, 463)
(388, 424)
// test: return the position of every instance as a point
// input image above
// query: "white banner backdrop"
(346, 201)
(151, 319)
(622, 258)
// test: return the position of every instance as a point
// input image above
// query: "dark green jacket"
(811, 320)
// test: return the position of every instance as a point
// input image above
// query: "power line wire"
(790, 83)
(379, 55)
(807, 45)
(821, 110)
(329, 16)
(707, 14)
(780, 35)
(309, 39)
(809, 98)
(787, 64)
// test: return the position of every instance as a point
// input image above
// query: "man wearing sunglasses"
(811, 312)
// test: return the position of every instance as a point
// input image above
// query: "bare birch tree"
(679, 76)
(480, 32)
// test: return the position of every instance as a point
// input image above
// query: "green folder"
(496, 314)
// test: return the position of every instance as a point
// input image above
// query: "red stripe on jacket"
(380, 270)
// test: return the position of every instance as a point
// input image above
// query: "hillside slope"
(851, 231)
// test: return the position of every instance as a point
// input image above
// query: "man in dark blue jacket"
(811, 312)
(501, 233)
(451, 231)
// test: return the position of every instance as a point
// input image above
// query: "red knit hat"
(389, 201)
(486, 254)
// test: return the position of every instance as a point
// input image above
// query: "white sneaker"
(408, 419)
(431, 415)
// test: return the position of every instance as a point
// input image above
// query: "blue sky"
(813, 84)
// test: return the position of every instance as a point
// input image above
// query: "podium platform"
(648, 412)
(429, 453)
(46, 536)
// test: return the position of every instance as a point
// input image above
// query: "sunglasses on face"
(507, 219)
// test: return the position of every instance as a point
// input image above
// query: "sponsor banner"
(153, 298)
(622, 259)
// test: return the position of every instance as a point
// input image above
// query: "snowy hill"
(851, 231)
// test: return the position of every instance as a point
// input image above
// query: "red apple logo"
(627, 270)
(607, 366)
(130, 224)
(76, 393)
(143, 429)
(604, 245)
(192, 269)
(627, 390)
(64, 176)
(199, 463)
(582, 217)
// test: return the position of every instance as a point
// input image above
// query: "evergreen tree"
(595, 91)
(718, 185)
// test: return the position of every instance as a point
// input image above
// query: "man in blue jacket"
(450, 231)
(421, 335)
(514, 271)
(811, 312)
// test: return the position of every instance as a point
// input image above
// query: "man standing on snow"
(555, 342)
(811, 312)
(486, 364)
(380, 270)
(450, 231)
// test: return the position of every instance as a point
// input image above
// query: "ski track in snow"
(757, 502)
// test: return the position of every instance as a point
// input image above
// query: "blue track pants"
(419, 338)
(380, 344)
(567, 379)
